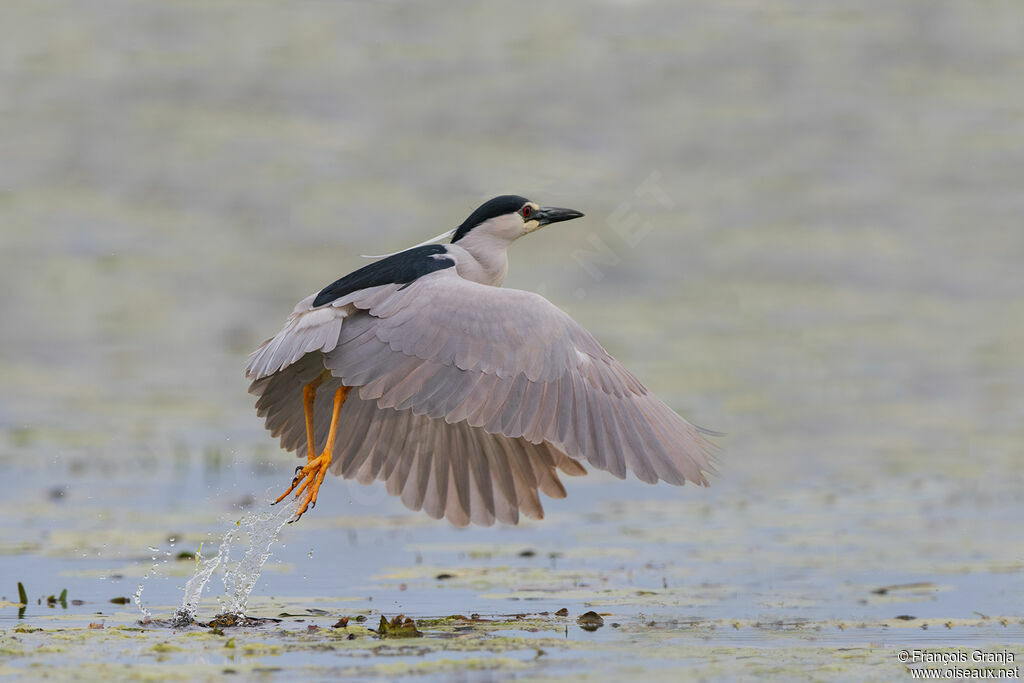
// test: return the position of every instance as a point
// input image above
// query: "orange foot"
(310, 477)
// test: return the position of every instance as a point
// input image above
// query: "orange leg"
(312, 475)
(308, 397)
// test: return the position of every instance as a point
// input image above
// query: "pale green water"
(803, 228)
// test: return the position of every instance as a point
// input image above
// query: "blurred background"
(803, 228)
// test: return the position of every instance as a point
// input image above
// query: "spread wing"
(511, 363)
(471, 398)
(447, 470)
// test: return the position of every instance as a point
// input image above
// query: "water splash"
(137, 595)
(261, 531)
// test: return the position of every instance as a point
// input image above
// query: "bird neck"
(486, 258)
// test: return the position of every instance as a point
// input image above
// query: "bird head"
(509, 217)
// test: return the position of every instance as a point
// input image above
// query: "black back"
(401, 268)
(492, 208)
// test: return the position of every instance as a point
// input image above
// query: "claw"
(307, 484)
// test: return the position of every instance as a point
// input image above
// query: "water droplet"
(137, 597)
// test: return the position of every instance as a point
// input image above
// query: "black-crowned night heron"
(469, 398)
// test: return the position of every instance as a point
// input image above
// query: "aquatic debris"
(231, 620)
(591, 621)
(445, 577)
(885, 590)
(564, 612)
(399, 627)
(52, 600)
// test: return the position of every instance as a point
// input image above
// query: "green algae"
(399, 627)
(165, 647)
(439, 666)
(654, 649)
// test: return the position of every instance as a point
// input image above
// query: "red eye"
(527, 211)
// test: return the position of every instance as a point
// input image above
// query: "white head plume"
(443, 236)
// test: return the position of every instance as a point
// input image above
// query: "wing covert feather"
(512, 363)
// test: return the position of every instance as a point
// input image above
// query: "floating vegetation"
(229, 620)
(399, 627)
(454, 645)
